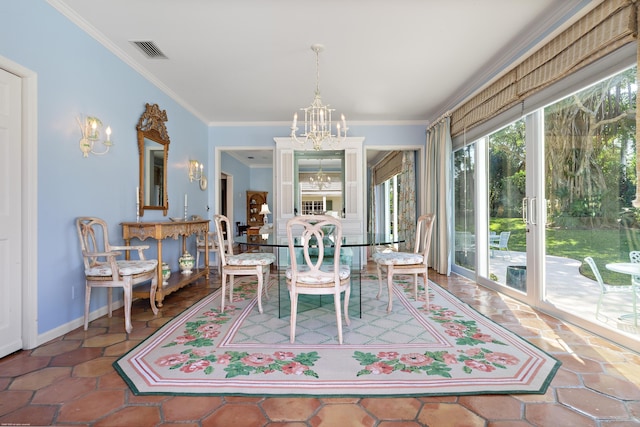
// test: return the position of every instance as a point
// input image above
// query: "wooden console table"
(160, 230)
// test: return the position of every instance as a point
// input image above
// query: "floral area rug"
(449, 349)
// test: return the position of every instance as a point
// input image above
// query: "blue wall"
(77, 75)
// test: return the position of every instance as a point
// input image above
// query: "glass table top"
(368, 239)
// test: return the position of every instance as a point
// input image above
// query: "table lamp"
(265, 211)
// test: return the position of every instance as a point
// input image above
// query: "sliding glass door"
(590, 185)
(549, 190)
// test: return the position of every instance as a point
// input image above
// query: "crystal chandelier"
(321, 180)
(317, 117)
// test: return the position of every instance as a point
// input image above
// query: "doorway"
(27, 143)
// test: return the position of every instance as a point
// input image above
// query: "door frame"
(29, 232)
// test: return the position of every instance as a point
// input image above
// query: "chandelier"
(320, 180)
(317, 117)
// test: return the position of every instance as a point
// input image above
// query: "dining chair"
(244, 264)
(611, 289)
(213, 250)
(103, 269)
(313, 276)
(414, 263)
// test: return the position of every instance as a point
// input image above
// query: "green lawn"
(602, 244)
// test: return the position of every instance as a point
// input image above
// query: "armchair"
(102, 269)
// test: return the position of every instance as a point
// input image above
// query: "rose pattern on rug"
(444, 349)
(466, 332)
(201, 333)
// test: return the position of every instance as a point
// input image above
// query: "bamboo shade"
(388, 167)
(604, 29)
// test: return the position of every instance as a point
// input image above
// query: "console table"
(160, 230)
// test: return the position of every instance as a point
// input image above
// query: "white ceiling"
(247, 62)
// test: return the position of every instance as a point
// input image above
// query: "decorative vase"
(166, 273)
(186, 261)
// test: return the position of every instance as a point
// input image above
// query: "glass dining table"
(353, 251)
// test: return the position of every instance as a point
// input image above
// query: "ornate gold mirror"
(153, 148)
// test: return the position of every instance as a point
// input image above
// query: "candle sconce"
(196, 173)
(91, 128)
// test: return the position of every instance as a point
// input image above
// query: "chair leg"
(110, 300)
(426, 290)
(231, 284)
(379, 268)
(598, 306)
(127, 304)
(266, 282)
(152, 293)
(87, 301)
(260, 284)
(390, 287)
(347, 295)
(336, 301)
(292, 318)
(197, 258)
(222, 291)
(415, 286)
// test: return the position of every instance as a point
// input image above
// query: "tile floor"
(70, 381)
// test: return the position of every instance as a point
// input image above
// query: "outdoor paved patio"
(571, 291)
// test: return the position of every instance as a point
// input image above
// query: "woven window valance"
(610, 25)
(388, 167)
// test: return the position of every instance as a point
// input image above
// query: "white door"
(10, 214)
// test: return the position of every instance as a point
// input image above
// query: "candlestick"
(185, 206)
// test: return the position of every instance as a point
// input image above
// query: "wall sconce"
(91, 128)
(265, 211)
(196, 173)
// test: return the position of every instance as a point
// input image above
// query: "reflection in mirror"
(153, 173)
(153, 148)
(319, 187)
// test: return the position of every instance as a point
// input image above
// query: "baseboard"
(74, 324)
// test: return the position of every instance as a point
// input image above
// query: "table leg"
(159, 290)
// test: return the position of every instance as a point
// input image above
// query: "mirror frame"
(152, 126)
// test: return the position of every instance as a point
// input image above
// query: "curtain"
(407, 201)
(438, 192)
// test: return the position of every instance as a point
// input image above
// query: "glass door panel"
(507, 245)
(590, 187)
(464, 207)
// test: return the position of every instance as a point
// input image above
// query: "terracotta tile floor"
(70, 381)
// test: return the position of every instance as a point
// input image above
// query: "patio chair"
(634, 256)
(501, 244)
(611, 289)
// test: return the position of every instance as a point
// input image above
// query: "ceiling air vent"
(150, 49)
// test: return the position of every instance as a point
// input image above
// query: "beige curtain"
(437, 190)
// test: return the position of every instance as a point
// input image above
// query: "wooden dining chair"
(245, 264)
(103, 269)
(414, 263)
(314, 276)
